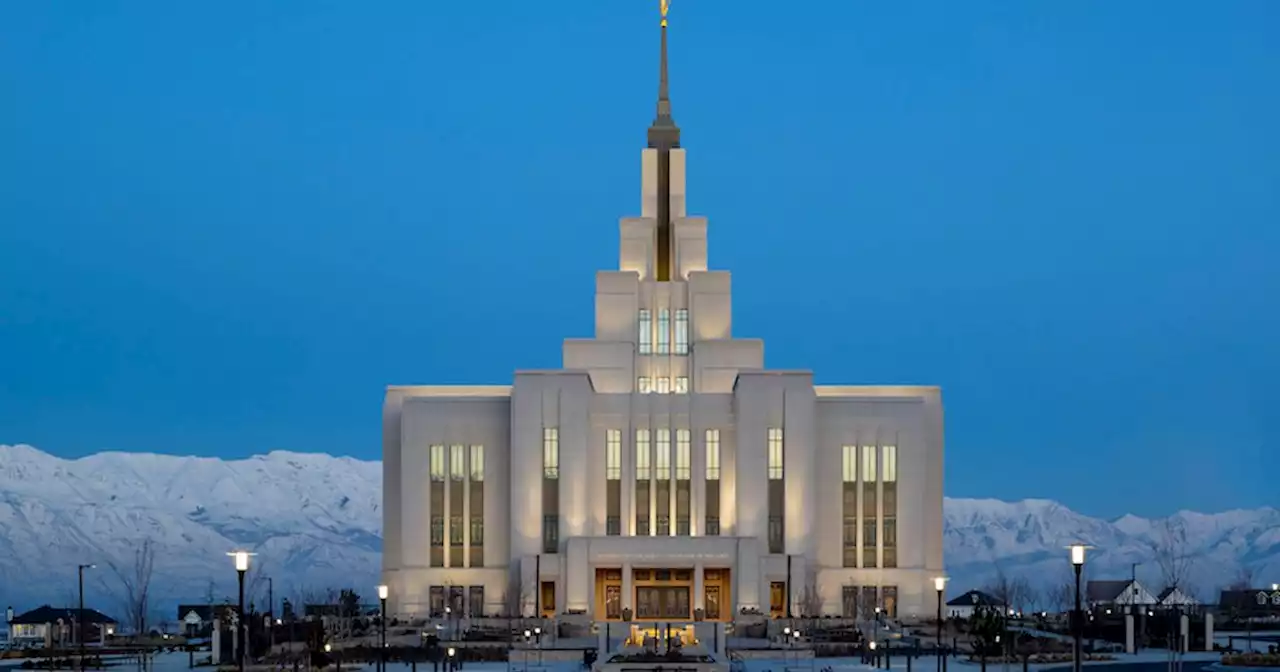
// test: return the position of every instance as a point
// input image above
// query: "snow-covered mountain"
(315, 522)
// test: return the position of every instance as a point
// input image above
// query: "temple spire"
(663, 133)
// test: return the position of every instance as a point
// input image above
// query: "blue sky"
(225, 228)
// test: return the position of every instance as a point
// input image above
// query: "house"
(196, 620)
(969, 603)
(1174, 597)
(1251, 602)
(57, 626)
(1125, 592)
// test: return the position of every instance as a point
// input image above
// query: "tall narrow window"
(439, 471)
(457, 462)
(662, 478)
(682, 482)
(456, 489)
(613, 454)
(889, 505)
(664, 385)
(664, 331)
(682, 331)
(437, 463)
(476, 496)
(775, 454)
(663, 457)
(849, 504)
(711, 443)
(682, 385)
(613, 481)
(643, 386)
(477, 463)
(643, 483)
(870, 524)
(777, 491)
(642, 454)
(551, 452)
(682, 454)
(646, 332)
(550, 489)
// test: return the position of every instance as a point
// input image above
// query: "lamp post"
(242, 566)
(795, 637)
(383, 591)
(452, 661)
(940, 585)
(537, 635)
(527, 634)
(80, 614)
(1077, 563)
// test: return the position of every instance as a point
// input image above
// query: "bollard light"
(873, 646)
(452, 651)
(328, 647)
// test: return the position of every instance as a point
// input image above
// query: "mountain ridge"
(315, 521)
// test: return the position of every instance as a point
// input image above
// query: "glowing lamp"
(1077, 554)
(939, 583)
(383, 591)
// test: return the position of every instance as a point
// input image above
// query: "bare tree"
(1243, 579)
(516, 596)
(1171, 554)
(134, 590)
(810, 600)
(1061, 596)
(1012, 592)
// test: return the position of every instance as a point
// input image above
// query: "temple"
(664, 473)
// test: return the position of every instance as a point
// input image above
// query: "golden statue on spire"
(664, 6)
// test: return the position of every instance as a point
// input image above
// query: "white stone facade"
(810, 498)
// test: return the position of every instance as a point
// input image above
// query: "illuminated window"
(664, 331)
(642, 454)
(849, 466)
(712, 439)
(664, 385)
(646, 332)
(682, 332)
(643, 386)
(868, 464)
(889, 464)
(662, 461)
(682, 385)
(682, 454)
(457, 462)
(775, 453)
(477, 463)
(437, 463)
(550, 452)
(613, 454)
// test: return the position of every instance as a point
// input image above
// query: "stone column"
(697, 587)
(1208, 632)
(216, 642)
(628, 589)
(1184, 628)
(1128, 633)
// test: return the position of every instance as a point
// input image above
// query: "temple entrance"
(660, 594)
(663, 594)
